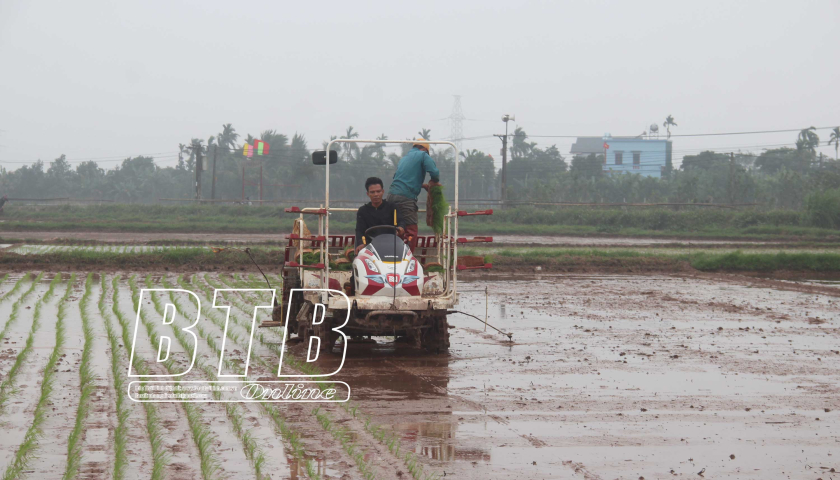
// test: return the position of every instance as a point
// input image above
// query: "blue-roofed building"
(645, 156)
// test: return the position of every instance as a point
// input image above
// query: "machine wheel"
(415, 338)
(436, 338)
(290, 280)
(327, 336)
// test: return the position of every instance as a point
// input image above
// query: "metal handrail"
(326, 218)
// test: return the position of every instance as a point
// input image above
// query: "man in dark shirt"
(377, 212)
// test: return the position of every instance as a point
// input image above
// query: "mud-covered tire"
(327, 336)
(436, 337)
(290, 281)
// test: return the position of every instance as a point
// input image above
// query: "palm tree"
(351, 150)
(520, 146)
(228, 137)
(298, 148)
(808, 140)
(195, 147)
(325, 144)
(379, 152)
(835, 138)
(182, 149)
(669, 120)
(425, 134)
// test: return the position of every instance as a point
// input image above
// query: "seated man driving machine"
(375, 213)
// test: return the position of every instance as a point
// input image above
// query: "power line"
(755, 132)
(457, 139)
(110, 159)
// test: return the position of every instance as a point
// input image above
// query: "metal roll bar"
(326, 221)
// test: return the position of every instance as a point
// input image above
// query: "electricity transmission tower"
(456, 122)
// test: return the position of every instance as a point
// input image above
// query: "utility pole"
(213, 187)
(196, 148)
(506, 118)
(731, 177)
(504, 165)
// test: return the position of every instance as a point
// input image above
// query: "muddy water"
(64, 400)
(184, 461)
(617, 377)
(98, 437)
(607, 377)
(227, 447)
(17, 414)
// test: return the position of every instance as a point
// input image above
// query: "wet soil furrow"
(323, 458)
(133, 455)
(383, 462)
(181, 457)
(52, 450)
(33, 448)
(20, 380)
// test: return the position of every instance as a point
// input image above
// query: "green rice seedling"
(233, 283)
(15, 288)
(251, 449)
(392, 443)
(121, 429)
(325, 421)
(86, 387)
(291, 436)
(342, 434)
(310, 470)
(202, 437)
(160, 457)
(7, 385)
(26, 451)
(9, 294)
(304, 368)
(271, 411)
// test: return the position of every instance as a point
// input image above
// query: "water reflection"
(388, 370)
(436, 440)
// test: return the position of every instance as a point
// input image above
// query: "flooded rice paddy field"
(505, 240)
(682, 249)
(607, 377)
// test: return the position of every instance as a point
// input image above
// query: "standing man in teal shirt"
(408, 180)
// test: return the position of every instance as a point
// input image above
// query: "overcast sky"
(112, 79)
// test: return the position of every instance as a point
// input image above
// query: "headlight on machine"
(371, 266)
(411, 266)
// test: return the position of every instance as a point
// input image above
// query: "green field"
(549, 258)
(703, 260)
(694, 222)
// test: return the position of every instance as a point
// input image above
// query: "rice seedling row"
(7, 385)
(303, 431)
(86, 386)
(288, 434)
(26, 452)
(253, 454)
(154, 426)
(201, 436)
(384, 436)
(350, 448)
(297, 414)
(121, 402)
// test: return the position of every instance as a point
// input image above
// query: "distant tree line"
(777, 178)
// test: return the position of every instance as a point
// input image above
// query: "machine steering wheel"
(389, 228)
